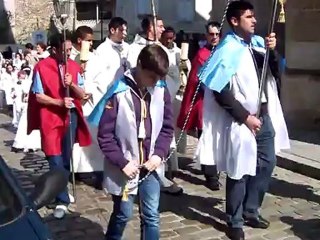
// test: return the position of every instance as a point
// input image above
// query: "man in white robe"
(110, 59)
(167, 40)
(242, 143)
(146, 37)
(107, 64)
(85, 159)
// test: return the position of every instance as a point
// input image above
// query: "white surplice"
(22, 140)
(7, 83)
(107, 64)
(232, 147)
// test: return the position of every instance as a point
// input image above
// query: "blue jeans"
(63, 161)
(245, 196)
(149, 196)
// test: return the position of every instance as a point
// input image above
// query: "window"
(185, 10)
(10, 206)
(88, 10)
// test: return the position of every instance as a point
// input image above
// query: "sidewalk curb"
(298, 165)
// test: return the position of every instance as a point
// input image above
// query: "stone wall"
(301, 82)
(31, 14)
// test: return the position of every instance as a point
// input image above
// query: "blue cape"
(118, 86)
(224, 61)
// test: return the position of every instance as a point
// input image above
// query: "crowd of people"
(119, 113)
(15, 82)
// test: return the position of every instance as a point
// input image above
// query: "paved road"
(292, 204)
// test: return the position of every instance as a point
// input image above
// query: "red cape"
(195, 120)
(52, 121)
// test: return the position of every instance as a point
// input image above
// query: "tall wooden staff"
(153, 7)
(62, 10)
(266, 58)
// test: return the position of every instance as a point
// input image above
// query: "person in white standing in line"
(146, 37)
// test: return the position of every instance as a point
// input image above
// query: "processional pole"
(62, 9)
(153, 7)
(266, 58)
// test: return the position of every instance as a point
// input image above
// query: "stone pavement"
(303, 157)
(292, 204)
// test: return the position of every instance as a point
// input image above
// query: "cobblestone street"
(292, 204)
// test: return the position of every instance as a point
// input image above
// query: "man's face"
(213, 36)
(39, 49)
(160, 29)
(9, 69)
(167, 39)
(247, 22)
(59, 53)
(68, 47)
(120, 33)
(88, 38)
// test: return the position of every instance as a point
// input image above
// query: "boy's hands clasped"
(132, 169)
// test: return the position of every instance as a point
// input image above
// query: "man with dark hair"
(110, 60)
(195, 120)
(83, 33)
(107, 64)
(29, 47)
(141, 102)
(149, 36)
(167, 39)
(48, 111)
(242, 141)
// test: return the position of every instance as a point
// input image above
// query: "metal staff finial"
(282, 15)
(153, 8)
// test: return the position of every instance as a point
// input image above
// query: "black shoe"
(259, 222)
(235, 233)
(213, 184)
(174, 189)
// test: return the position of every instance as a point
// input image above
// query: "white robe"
(22, 140)
(107, 64)
(7, 83)
(232, 147)
(17, 95)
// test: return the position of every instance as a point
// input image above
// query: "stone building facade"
(31, 15)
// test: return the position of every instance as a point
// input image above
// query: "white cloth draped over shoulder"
(107, 64)
(226, 143)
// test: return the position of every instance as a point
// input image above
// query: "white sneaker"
(60, 211)
(71, 198)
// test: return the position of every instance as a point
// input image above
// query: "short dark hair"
(82, 31)
(212, 24)
(236, 10)
(116, 22)
(29, 46)
(147, 21)
(56, 41)
(42, 45)
(169, 29)
(155, 59)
